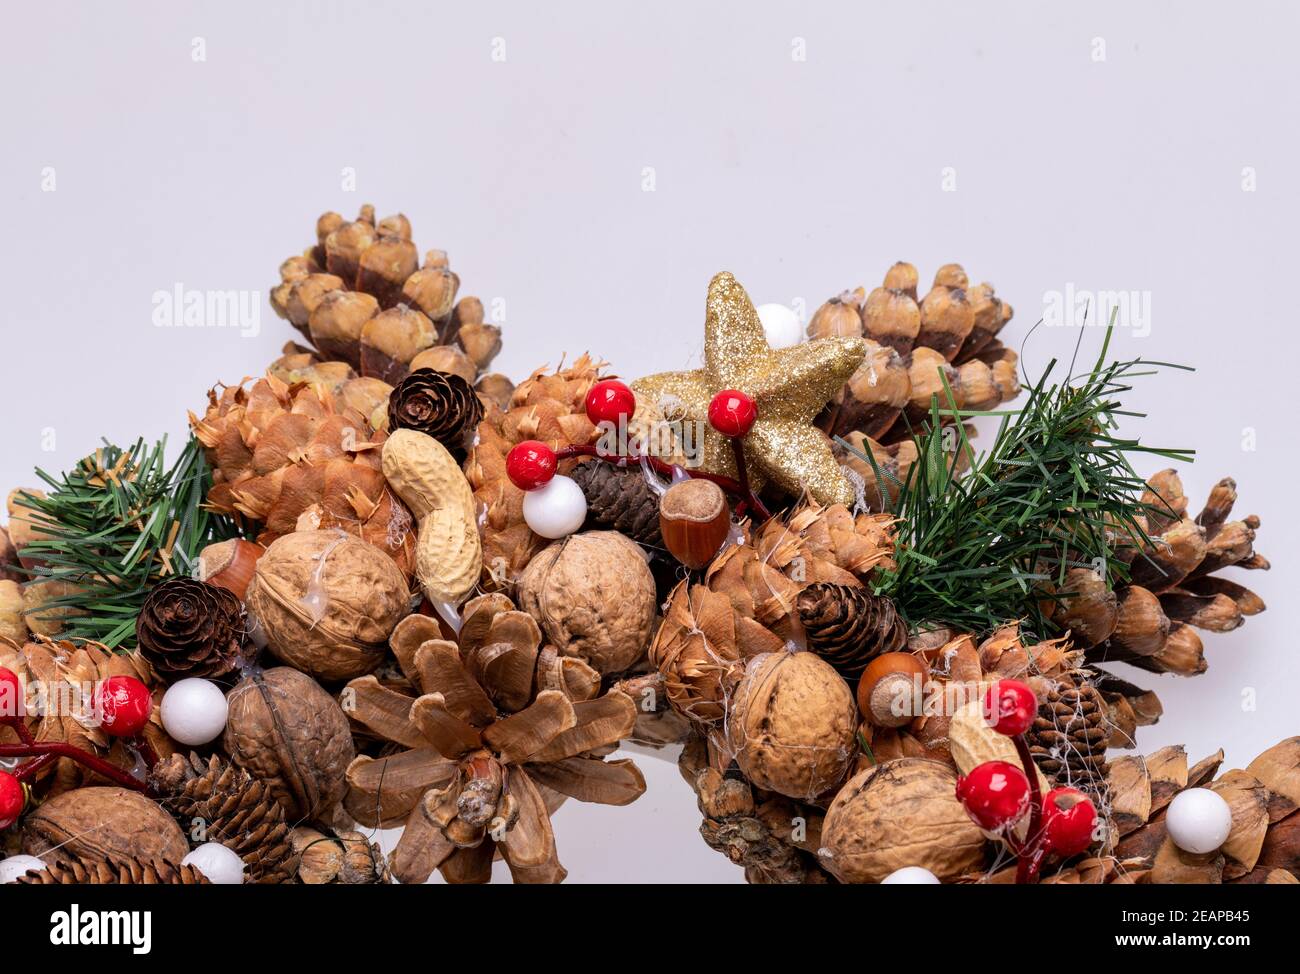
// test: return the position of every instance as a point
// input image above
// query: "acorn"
(694, 520)
(889, 680)
(230, 564)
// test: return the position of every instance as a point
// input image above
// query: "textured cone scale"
(848, 626)
(362, 296)
(75, 871)
(1069, 736)
(231, 807)
(914, 348)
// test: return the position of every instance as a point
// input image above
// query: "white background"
(803, 177)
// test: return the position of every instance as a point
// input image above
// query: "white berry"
(221, 865)
(1198, 820)
(194, 711)
(781, 325)
(556, 510)
(15, 866)
(911, 876)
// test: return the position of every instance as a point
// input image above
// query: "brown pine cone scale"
(848, 626)
(190, 628)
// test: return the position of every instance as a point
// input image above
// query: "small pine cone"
(232, 808)
(848, 626)
(71, 870)
(620, 500)
(440, 404)
(1069, 735)
(190, 628)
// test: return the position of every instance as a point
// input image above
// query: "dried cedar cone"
(190, 628)
(1069, 735)
(848, 626)
(437, 403)
(114, 871)
(620, 500)
(225, 804)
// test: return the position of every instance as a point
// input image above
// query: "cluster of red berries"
(998, 795)
(122, 706)
(530, 465)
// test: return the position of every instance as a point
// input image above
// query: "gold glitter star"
(789, 386)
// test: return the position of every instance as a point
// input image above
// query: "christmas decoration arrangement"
(386, 588)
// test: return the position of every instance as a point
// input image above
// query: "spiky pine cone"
(1069, 735)
(848, 626)
(440, 404)
(71, 870)
(361, 297)
(190, 628)
(620, 500)
(230, 807)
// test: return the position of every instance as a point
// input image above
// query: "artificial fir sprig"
(111, 527)
(1055, 490)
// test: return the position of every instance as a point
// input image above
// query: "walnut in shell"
(328, 602)
(285, 729)
(594, 597)
(103, 822)
(793, 724)
(901, 813)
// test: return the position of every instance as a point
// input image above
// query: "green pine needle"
(113, 526)
(1055, 490)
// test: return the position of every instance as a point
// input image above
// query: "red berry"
(732, 413)
(530, 464)
(609, 401)
(1069, 820)
(12, 799)
(11, 694)
(995, 793)
(1010, 707)
(124, 706)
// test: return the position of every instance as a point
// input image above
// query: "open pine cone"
(306, 454)
(360, 297)
(66, 673)
(491, 735)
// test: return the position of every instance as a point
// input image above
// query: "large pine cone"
(1069, 735)
(70, 870)
(437, 403)
(848, 626)
(620, 500)
(232, 808)
(190, 628)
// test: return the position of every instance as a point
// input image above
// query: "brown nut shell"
(891, 688)
(286, 730)
(102, 822)
(865, 838)
(594, 597)
(793, 725)
(328, 602)
(694, 520)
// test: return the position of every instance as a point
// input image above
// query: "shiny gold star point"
(789, 386)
